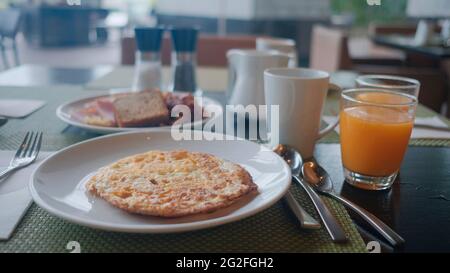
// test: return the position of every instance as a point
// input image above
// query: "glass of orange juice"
(389, 82)
(375, 127)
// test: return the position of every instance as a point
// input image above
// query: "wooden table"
(406, 43)
(416, 206)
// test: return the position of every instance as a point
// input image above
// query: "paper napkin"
(13, 108)
(14, 195)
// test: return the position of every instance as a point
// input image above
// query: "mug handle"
(333, 125)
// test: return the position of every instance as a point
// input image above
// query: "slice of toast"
(140, 109)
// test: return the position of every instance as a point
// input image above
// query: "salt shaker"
(147, 74)
(184, 59)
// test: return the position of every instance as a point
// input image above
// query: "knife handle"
(331, 224)
(306, 220)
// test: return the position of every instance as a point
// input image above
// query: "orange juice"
(374, 138)
(382, 98)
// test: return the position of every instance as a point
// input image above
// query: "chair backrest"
(9, 22)
(211, 49)
(329, 49)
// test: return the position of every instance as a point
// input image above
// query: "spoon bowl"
(317, 177)
(291, 156)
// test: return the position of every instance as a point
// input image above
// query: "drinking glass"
(375, 128)
(387, 82)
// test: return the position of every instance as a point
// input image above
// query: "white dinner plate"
(64, 112)
(58, 184)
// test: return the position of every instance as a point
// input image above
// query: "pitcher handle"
(333, 125)
(231, 79)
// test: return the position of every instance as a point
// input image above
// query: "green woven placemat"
(273, 230)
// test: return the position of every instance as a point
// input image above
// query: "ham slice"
(98, 113)
(105, 109)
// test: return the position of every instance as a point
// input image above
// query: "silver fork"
(26, 154)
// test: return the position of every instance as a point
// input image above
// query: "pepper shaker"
(184, 59)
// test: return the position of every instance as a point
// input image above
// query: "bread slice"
(140, 109)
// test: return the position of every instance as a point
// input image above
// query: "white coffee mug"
(300, 94)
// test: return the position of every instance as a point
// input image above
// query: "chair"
(325, 44)
(9, 26)
(355, 50)
(211, 49)
(329, 52)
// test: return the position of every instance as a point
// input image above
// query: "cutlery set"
(313, 178)
(294, 161)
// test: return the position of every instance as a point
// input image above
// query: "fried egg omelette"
(171, 183)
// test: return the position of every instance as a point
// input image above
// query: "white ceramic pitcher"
(246, 74)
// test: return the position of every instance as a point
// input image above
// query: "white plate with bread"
(147, 182)
(123, 112)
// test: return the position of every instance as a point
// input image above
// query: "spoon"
(294, 160)
(316, 176)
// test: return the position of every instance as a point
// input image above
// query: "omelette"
(171, 183)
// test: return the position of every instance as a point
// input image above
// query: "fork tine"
(38, 146)
(27, 145)
(24, 142)
(31, 151)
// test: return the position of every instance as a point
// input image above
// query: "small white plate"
(64, 112)
(57, 185)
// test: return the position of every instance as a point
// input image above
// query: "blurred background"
(333, 35)
(54, 26)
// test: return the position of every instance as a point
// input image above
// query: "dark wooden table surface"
(417, 206)
(406, 43)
